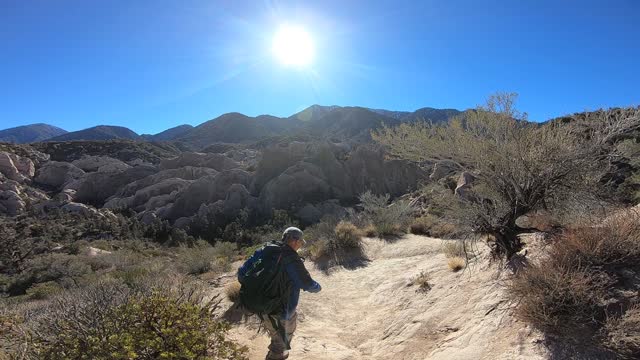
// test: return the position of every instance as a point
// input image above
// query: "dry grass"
(453, 249)
(430, 225)
(589, 273)
(624, 333)
(456, 263)
(347, 236)
(422, 282)
(232, 291)
(369, 231)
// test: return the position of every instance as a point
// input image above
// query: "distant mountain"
(101, 132)
(169, 134)
(235, 128)
(30, 133)
(347, 124)
(313, 113)
(423, 114)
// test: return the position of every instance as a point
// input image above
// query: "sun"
(293, 46)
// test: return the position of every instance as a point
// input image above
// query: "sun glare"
(293, 46)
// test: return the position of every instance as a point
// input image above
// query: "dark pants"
(277, 345)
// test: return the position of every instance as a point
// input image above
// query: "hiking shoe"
(274, 356)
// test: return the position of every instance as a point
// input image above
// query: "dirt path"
(372, 313)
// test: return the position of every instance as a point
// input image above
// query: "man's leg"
(277, 348)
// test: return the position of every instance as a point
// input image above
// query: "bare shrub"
(388, 219)
(347, 236)
(561, 300)
(430, 225)
(369, 230)
(232, 291)
(454, 248)
(331, 242)
(623, 333)
(422, 282)
(456, 263)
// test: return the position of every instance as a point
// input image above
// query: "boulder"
(77, 208)
(12, 203)
(93, 252)
(237, 198)
(118, 203)
(9, 167)
(90, 163)
(162, 188)
(160, 201)
(218, 162)
(443, 169)
(206, 190)
(56, 174)
(300, 184)
(98, 186)
(463, 186)
(186, 173)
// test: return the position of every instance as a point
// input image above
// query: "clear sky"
(153, 64)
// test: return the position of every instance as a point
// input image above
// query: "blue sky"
(153, 64)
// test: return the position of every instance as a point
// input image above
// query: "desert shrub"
(422, 282)
(585, 279)
(203, 257)
(347, 236)
(62, 268)
(623, 333)
(369, 230)
(430, 225)
(519, 168)
(109, 320)
(232, 291)
(563, 300)
(388, 219)
(454, 248)
(44, 290)
(332, 242)
(456, 263)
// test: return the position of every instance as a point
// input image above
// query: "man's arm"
(300, 276)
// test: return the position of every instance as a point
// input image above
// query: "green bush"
(203, 257)
(111, 321)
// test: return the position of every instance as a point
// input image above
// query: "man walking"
(281, 323)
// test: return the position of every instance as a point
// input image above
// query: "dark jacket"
(296, 272)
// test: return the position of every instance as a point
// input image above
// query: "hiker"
(271, 281)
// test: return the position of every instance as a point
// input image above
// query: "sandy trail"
(372, 313)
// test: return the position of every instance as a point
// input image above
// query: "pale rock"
(56, 174)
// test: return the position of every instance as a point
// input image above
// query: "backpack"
(265, 287)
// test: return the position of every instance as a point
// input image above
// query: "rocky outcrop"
(164, 187)
(56, 174)
(97, 187)
(206, 190)
(99, 163)
(186, 173)
(214, 161)
(11, 203)
(463, 186)
(300, 184)
(310, 214)
(16, 167)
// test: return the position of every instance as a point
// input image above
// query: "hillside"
(30, 133)
(235, 128)
(101, 132)
(168, 134)
(373, 312)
